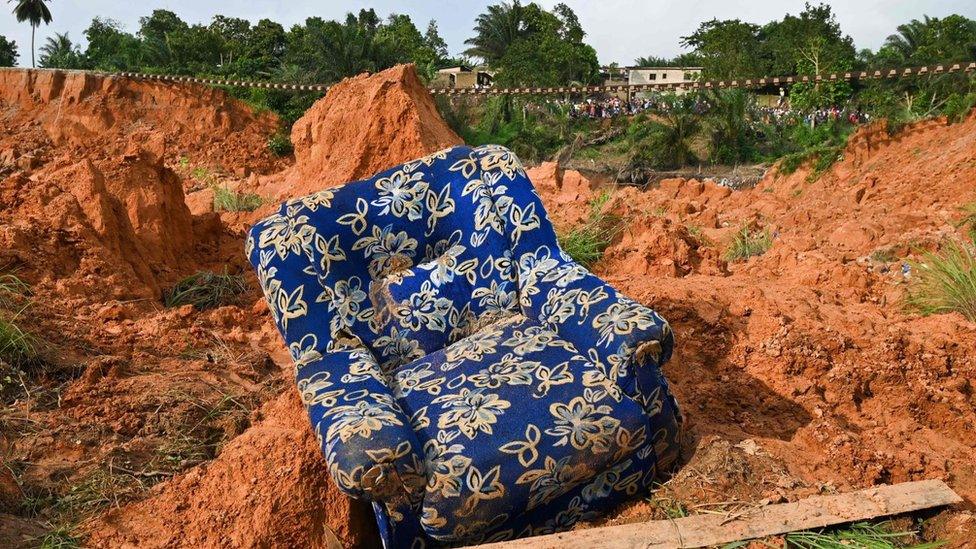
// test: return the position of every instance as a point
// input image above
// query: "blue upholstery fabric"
(460, 371)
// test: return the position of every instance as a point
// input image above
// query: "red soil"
(799, 370)
(362, 126)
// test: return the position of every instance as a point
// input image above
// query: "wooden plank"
(754, 523)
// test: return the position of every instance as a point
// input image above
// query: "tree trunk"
(33, 30)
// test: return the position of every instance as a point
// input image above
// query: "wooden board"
(758, 522)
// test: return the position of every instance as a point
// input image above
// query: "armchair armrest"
(367, 439)
(629, 340)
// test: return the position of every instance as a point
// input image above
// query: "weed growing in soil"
(746, 244)
(586, 243)
(11, 286)
(872, 536)
(280, 144)
(968, 220)
(944, 281)
(61, 537)
(206, 290)
(231, 201)
(17, 347)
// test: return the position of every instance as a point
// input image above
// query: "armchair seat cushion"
(510, 419)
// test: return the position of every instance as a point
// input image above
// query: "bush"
(958, 106)
(232, 201)
(944, 282)
(280, 144)
(206, 290)
(586, 243)
(663, 145)
(747, 243)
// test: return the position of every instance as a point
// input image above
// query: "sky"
(620, 30)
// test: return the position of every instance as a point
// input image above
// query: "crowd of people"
(781, 114)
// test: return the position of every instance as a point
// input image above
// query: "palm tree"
(58, 52)
(909, 36)
(34, 11)
(495, 31)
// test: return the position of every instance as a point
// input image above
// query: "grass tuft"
(228, 200)
(747, 243)
(18, 348)
(863, 535)
(944, 281)
(61, 537)
(206, 290)
(586, 243)
(968, 220)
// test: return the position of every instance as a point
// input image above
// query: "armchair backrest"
(419, 255)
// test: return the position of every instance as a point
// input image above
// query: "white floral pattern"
(459, 369)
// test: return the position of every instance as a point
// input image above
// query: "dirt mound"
(269, 488)
(363, 125)
(97, 114)
(97, 229)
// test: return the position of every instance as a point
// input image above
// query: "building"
(463, 77)
(618, 76)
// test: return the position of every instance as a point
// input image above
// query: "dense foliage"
(8, 52)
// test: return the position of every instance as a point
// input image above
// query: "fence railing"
(848, 76)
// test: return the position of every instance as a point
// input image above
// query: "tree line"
(525, 44)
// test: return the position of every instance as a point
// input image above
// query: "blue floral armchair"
(460, 371)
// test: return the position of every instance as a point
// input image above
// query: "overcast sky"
(620, 30)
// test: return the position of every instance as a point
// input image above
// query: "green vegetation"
(968, 220)
(944, 281)
(531, 46)
(61, 537)
(748, 243)
(280, 144)
(586, 243)
(206, 290)
(34, 12)
(228, 200)
(8, 52)
(18, 348)
(862, 534)
(663, 144)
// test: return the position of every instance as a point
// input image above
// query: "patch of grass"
(280, 144)
(696, 231)
(206, 290)
(97, 489)
(944, 281)
(202, 174)
(11, 285)
(17, 347)
(60, 537)
(968, 220)
(231, 201)
(822, 157)
(884, 255)
(748, 243)
(862, 534)
(586, 243)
